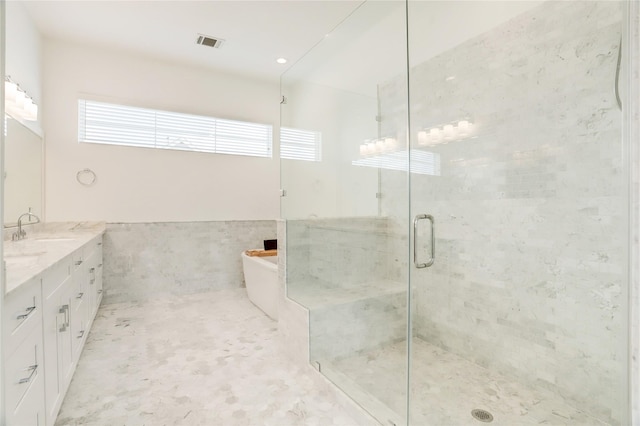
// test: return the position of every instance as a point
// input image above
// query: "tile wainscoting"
(149, 260)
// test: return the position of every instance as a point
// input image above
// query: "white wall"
(146, 185)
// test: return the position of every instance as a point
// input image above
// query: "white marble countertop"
(44, 247)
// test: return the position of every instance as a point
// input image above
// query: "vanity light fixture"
(444, 134)
(378, 146)
(17, 102)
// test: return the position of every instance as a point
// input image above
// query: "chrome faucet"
(21, 233)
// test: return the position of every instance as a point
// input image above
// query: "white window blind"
(297, 144)
(105, 123)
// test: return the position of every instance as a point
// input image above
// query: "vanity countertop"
(44, 248)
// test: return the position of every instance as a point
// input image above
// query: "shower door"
(455, 184)
(519, 188)
(346, 236)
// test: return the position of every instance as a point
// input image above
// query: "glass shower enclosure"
(460, 235)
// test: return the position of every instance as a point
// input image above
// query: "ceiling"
(255, 32)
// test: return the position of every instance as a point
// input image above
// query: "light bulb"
(363, 149)
(463, 127)
(371, 148)
(448, 132)
(435, 135)
(32, 112)
(20, 99)
(423, 137)
(10, 90)
(390, 144)
(380, 145)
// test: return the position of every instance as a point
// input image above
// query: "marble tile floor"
(445, 388)
(204, 359)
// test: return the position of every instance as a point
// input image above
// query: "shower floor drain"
(482, 415)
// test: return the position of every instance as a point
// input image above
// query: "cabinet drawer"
(22, 312)
(55, 277)
(24, 370)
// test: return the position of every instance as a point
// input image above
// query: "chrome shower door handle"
(415, 241)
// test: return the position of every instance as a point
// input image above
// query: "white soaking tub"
(261, 277)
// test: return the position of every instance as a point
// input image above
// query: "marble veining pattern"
(149, 260)
(204, 359)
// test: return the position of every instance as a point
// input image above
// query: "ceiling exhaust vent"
(209, 41)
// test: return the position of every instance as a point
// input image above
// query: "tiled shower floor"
(205, 359)
(445, 388)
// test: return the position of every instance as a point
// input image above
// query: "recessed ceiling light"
(281, 60)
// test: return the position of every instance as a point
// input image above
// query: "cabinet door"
(98, 274)
(79, 311)
(56, 291)
(99, 288)
(54, 320)
(91, 268)
(94, 268)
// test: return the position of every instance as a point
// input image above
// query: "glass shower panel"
(345, 258)
(522, 316)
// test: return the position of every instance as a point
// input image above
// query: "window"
(297, 144)
(111, 124)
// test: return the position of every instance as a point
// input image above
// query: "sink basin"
(22, 260)
(19, 255)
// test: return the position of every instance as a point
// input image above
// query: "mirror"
(23, 172)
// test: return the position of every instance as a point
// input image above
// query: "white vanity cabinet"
(46, 322)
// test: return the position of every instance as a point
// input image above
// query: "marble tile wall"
(342, 252)
(339, 269)
(530, 276)
(362, 325)
(150, 260)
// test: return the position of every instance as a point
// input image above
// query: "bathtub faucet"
(21, 233)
